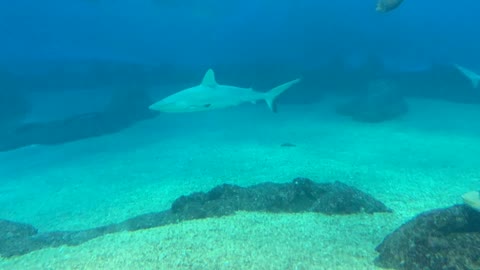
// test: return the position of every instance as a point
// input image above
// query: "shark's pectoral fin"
(476, 81)
(209, 79)
(272, 105)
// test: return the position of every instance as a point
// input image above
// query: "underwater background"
(381, 107)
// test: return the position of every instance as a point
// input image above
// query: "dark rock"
(126, 108)
(440, 239)
(301, 195)
(382, 102)
(9, 229)
(15, 237)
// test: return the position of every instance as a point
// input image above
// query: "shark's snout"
(153, 107)
(157, 106)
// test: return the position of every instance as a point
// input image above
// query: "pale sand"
(423, 161)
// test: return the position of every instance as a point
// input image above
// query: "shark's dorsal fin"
(209, 79)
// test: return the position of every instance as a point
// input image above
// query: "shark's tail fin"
(472, 76)
(272, 95)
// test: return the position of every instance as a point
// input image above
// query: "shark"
(210, 95)
(472, 76)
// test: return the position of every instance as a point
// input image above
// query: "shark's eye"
(207, 105)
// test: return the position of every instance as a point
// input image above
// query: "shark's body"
(387, 5)
(472, 76)
(209, 95)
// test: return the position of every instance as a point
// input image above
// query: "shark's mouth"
(161, 106)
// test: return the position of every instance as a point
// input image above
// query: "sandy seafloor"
(422, 161)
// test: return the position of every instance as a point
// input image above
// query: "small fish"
(287, 145)
(387, 5)
(209, 95)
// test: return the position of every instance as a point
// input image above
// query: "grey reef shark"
(209, 95)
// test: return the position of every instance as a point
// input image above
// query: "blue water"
(380, 98)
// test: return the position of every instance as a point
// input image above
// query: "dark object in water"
(287, 145)
(14, 107)
(301, 195)
(388, 5)
(125, 108)
(382, 102)
(439, 239)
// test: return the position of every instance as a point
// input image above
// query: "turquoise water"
(380, 107)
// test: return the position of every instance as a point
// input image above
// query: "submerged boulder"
(126, 107)
(15, 237)
(382, 102)
(301, 195)
(9, 230)
(440, 239)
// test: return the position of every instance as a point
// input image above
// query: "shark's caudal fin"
(472, 76)
(272, 95)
